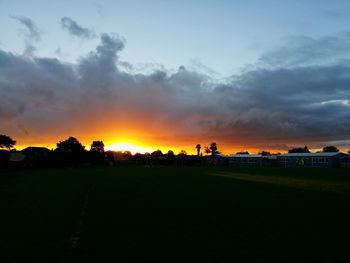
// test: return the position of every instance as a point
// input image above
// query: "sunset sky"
(249, 75)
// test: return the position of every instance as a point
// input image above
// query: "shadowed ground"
(165, 214)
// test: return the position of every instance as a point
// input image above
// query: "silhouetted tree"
(330, 149)
(207, 150)
(97, 146)
(182, 152)
(182, 158)
(6, 142)
(97, 154)
(70, 145)
(264, 153)
(109, 157)
(198, 147)
(170, 157)
(70, 151)
(139, 158)
(157, 153)
(299, 150)
(213, 148)
(242, 152)
(170, 154)
(127, 155)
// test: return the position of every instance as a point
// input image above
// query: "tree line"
(71, 152)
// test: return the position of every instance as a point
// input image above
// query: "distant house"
(345, 161)
(216, 159)
(235, 159)
(241, 159)
(245, 160)
(17, 157)
(36, 155)
(322, 159)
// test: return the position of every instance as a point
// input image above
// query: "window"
(284, 160)
(233, 160)
(320, 160)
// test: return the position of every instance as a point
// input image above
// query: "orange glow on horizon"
(126, 146)
(117, 141)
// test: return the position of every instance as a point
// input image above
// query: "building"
(36, 156)
(216, 159)
(241, 160)
(245, 160)
(322, 159)
(345, 161)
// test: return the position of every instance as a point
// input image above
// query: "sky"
(249, 75)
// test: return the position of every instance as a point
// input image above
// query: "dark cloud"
(287, 103)
(308, 51)
(75, 29)
(290, 104)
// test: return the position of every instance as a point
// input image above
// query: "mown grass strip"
(342, 188)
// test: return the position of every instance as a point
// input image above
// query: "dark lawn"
(169, 214)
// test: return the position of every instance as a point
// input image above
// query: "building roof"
(218, 154)
(32, 149)
(36, 153)
(245, 155)
(321, 154)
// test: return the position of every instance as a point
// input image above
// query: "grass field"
(175, 214)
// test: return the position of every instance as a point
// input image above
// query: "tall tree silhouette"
(97, 155)
(70, 145)
(198, 147)
(157, 153)
(70, 151)
(97, 146)
(213, 147)
(182, 152)
(207, 150)
(6, 142)
(170, 156)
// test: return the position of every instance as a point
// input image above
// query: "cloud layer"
(296, 94)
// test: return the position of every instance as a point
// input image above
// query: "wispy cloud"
(99, 8)
(32, 33)
(75, 29)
